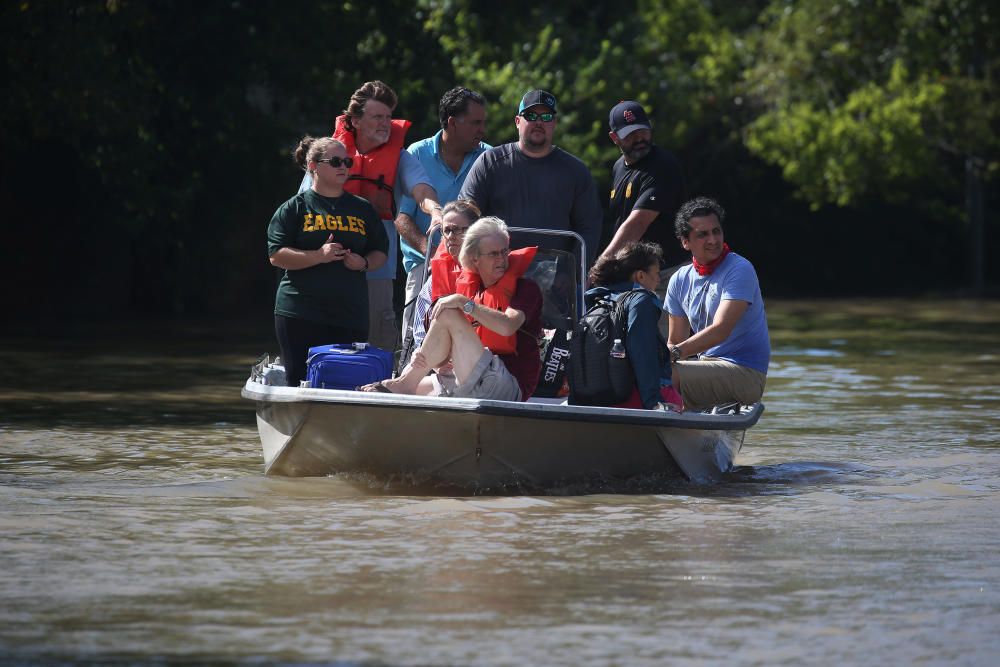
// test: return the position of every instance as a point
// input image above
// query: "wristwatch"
(675, 353)
(469, 306)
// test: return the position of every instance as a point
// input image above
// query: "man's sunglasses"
(337, 161)
(531, 116)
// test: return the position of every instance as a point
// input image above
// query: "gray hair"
(483, 228)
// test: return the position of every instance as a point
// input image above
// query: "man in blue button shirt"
(447, 158)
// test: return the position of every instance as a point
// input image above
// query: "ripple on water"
(786, 351)
(858, 526)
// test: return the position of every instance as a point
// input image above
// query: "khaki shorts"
(488, 379)
(711, 381)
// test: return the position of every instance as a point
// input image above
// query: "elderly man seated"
(488, 326)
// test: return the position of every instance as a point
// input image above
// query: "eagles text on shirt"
(333, 223)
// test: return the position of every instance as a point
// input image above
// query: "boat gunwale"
(547, 411)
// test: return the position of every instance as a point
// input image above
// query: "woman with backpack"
(631, 277)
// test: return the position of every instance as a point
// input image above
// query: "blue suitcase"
(346, 366)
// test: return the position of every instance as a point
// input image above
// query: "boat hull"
(483, 445)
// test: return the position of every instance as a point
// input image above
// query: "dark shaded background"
(146, 145)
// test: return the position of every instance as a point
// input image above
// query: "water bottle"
(618, 350)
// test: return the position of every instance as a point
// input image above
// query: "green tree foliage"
(874, 141)
(506, 49)
(146, 144)
(680, 58)
(856, 100)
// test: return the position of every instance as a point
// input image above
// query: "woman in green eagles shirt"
(325, 239)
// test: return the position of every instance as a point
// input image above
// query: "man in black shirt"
(647, 188)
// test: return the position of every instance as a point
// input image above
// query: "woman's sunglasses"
(337, 161)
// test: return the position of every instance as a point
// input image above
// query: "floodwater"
(862, 525)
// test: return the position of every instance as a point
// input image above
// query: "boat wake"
(797, 472)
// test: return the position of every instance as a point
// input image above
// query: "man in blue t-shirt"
(447, 158)
(716, 315)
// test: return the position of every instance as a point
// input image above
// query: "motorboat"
(484, 445)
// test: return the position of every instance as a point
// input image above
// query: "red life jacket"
(497, 296)
(374, 173)
(444, 273)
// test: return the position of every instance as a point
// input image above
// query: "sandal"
(374, 387)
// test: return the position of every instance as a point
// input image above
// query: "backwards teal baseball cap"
(533, 97)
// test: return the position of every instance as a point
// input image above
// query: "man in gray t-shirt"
(531, 183)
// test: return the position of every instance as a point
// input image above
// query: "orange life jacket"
(374, 173)
(497, 296)
(444, 273)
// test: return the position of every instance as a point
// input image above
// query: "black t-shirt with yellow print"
(329, 293)
(656, 183)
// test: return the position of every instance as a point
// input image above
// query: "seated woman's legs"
(449, 337)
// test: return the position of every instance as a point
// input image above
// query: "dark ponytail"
(634, 256)
(301, 152)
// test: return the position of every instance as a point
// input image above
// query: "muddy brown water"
(861, 526)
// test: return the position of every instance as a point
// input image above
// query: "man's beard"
(639, 151)
(529, 140)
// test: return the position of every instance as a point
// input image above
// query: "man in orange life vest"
(486, 320)
(382, 172)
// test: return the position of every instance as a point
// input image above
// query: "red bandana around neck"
(706, 269)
